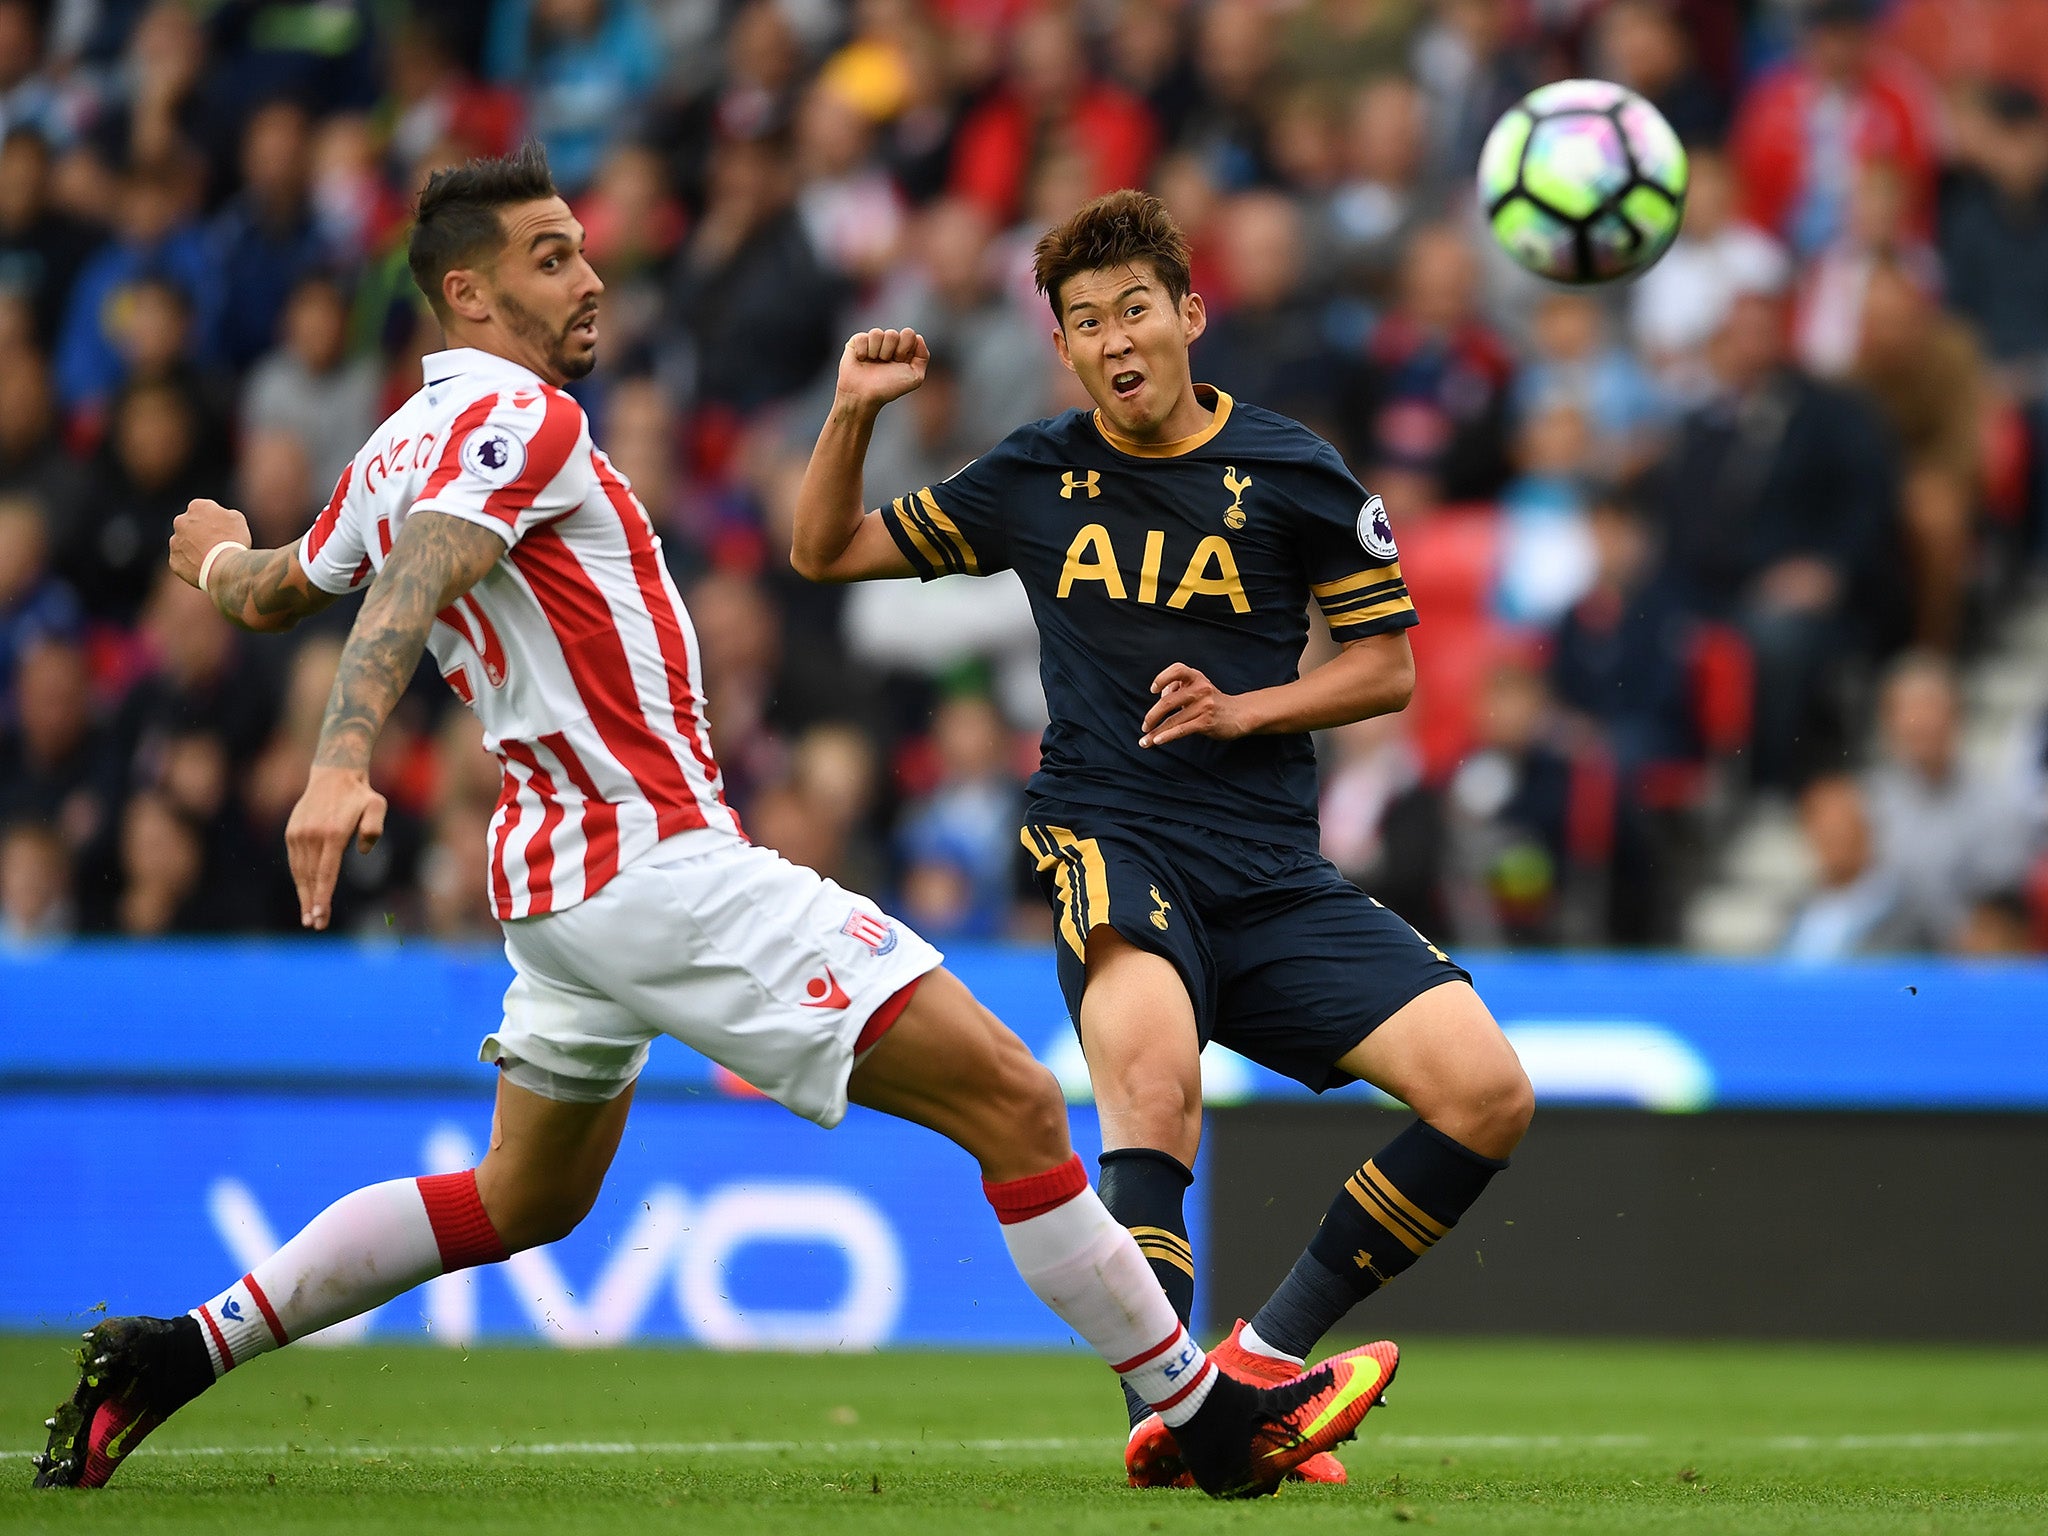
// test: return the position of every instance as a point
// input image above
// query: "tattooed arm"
(437, 558)
(265, 590)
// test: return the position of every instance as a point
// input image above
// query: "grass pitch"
(1478, 1437)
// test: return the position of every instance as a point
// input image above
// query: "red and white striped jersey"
(575, 650)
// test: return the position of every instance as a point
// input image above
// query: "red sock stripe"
(1200, 1376)
(1021, 1199)
(263, 1306)
(462, 1228)
(1153, 1353)
(882, 1018)
(227, 1356)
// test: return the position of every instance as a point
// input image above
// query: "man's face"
(543, 292)
(1127, 341)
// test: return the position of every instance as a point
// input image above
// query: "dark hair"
(1118, 229)
(456, 221)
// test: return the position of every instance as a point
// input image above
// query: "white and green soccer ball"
(1583, 182)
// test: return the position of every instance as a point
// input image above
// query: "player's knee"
(538, 1212)
(1157, 1102)
(1497, 1107)
(1034, 1110)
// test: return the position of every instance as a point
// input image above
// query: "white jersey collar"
(473, 362)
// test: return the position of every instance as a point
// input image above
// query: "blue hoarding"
(168, 1114)
(1659, 1033)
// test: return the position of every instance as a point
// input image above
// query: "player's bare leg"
(542, 1174)
(949, 1064)
(1443, 1055)
(1144, 1060)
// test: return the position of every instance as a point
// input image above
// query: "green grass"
(1478, 1437)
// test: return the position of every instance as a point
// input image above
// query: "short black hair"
(455, 223)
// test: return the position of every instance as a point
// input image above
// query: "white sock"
(1083, 1264)
(1248, 1338)
(367, 1247)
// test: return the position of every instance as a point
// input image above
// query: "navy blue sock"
(1389, 1213)
(1144, 1190)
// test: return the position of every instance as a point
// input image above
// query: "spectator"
(1468, 65)
(275, 487)
(1994, 230)
(53, 756)
(959, 843)
(1379, 200)
(148, 470)
(167, 104)
(432, 97)
(162, 861)
(849, 205)
(1678, 305)
(951, 294)
(586, 68)
(1339, 43)
(833, 771)
(35, 886)
(41, 249)
(1841, 103)
(265, 240)
(1383, 825)
(1643, 45)
(1832, 289)
(1947, 834)
(632, 229)
(1267, 345)
(1508, 814)
(153, 332)
(1546, 552)
(1855, 908)
(752, 296)
(265, 51)
(29, 98)
(310, 386)
(1047, 103)
(32, 461)
(1148, 56)
(1777, 501)
(1923, 369)
(33, 603)
(1999, 925)
(455, 903)
(1433, 392)
(1577, 364)
(156, 236)
(1619, 657)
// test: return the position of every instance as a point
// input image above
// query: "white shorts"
(764, 966)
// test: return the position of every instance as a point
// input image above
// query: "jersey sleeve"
(332, 552)
(1354, 569)
(512, 463)
(955, 527)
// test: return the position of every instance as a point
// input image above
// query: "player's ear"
(1194, 316)
(1059, 345)
(464, 296)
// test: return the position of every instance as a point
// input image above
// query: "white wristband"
(213, 554)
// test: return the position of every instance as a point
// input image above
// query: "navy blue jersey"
(1135, 556)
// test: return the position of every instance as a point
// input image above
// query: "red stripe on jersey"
(263, 1305)
(451, 453)
(508, 808)
(603, 677)
(668, 633)
(600, 817)
(361, 571)
(330, 516)
(545, 455)
(540, 848)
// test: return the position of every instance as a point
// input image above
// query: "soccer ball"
(1583, 182)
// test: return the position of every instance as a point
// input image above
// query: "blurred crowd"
(1726, 532)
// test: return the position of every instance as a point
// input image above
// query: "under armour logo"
(231, 1310)
(1087, 480)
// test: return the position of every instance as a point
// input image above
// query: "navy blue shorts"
(1287, 962)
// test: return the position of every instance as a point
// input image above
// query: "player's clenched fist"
(1190, 705)
(198, 529)
(880, 366)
